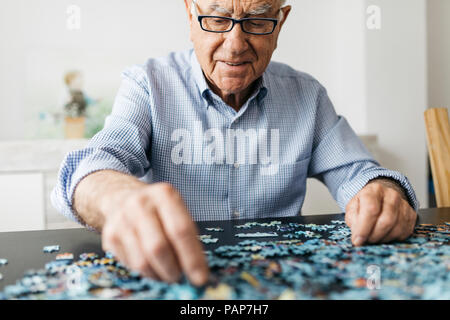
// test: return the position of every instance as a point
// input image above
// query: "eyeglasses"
(218, 24)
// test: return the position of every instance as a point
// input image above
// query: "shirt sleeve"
(341, 161)
(122, 145)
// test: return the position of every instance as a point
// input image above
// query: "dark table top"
(24, 250)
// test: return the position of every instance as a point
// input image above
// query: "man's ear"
(187, 3)
(286, 10)
(285, 13)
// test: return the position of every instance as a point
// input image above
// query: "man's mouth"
(234, 64)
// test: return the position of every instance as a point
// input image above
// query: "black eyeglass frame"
(239, 21)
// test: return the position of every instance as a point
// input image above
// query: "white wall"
(396, 88)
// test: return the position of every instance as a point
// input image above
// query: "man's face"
(232, 61)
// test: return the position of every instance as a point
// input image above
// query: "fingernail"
(199, 277)
(359, 241)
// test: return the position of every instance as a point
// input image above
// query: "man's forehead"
(247, 6)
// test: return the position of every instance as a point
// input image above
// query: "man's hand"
(380, 213)
(151, 231)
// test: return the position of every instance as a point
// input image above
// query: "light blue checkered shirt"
(169, 95)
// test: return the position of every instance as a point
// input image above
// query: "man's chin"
(235, 86)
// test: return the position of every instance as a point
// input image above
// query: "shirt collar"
(198, 75)
(260, 91)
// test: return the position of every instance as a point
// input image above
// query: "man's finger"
(404, 226)
(111, 241)
(134, 256)
(388, 218)
(351, 211)
(370, 206)
(394, 234)
(149, 273)
(158, 252)
(182, 233)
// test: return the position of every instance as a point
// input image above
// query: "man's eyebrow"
(219, 9)
(262, 9)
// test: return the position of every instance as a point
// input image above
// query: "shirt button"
(236, 214)
(237, 165)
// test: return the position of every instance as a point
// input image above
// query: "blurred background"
(383, 62)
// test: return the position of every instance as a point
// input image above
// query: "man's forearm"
(96, 195)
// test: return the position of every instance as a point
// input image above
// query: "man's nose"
(236, 40)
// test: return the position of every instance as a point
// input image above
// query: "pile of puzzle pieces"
(303, 261)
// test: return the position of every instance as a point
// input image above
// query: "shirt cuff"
(351, 188)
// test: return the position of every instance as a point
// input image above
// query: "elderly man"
(221, 132)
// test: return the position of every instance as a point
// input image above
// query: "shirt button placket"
(235, 214)
(233, 185)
